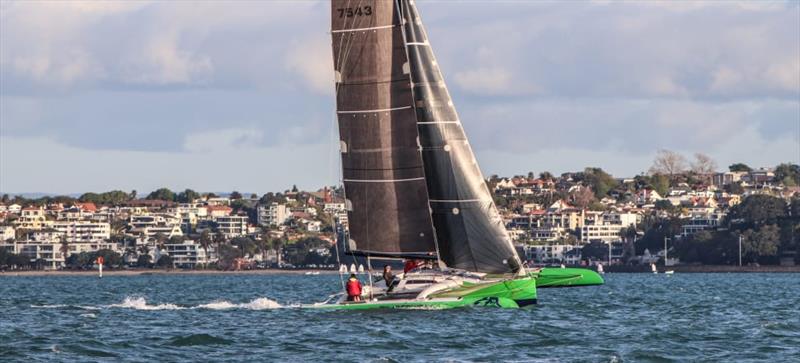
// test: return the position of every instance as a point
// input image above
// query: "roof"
(89, 207)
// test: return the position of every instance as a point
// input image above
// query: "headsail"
(470, 231)
(383, 174)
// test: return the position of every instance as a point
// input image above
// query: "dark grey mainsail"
(470, 231)
(383, 173)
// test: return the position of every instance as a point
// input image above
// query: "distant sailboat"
(600, 268)
(653, 268)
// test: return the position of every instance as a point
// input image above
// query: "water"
(634, 317)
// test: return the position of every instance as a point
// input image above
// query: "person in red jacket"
(353, 288)
(410, 265)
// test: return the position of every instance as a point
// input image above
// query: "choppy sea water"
(634, 317)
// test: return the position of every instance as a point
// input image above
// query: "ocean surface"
(226, 317)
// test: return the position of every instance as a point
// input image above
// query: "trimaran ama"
(412, 185)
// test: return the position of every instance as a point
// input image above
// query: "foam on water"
(139, 303)
(261, 303)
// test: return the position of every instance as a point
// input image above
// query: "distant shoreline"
(171, 272)
(704, 269)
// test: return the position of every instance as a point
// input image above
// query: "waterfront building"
(189, 254)
(83, 231)
(273, 214)
(232, 226)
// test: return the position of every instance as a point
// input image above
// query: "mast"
(469, 230)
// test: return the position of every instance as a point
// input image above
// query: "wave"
(261, 303)
(139, 303)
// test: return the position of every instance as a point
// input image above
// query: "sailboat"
(412, 185)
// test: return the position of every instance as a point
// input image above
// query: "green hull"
(511, 293)
(566, 277)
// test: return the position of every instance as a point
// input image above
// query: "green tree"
(162, 194)
(660, 184)
(546, 175)
(600, 181)
(294, 188)
(761, 243)
(187, 196)
(64, 248)
(758, 209)
(738, 167)
(236, 195)
(144, 261)
(788, 174)
(205, 240)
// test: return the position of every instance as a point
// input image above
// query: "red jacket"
(410, 265)
(353, 287)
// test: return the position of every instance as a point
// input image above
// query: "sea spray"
(139, 303)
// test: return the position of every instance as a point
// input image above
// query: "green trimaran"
(412, 185)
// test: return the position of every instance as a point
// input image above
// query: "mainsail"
(408, 168)
(383, 174)
(470, 231)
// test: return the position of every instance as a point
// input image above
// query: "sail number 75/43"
(351, 12)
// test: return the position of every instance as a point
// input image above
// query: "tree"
(600, 181)
(660, 184)
(64, 248)
(665, 205)
(703, 166)
(294, 188)
(668, 163)
(205, 240)
(582, 197)
(761, 243)
(164, 261)
(739, 167)
(546, 175)
(595, 251)
(144, 260)
(788, 174)
(236, 195)
(162, 194)
(187, 196)
(758, 209)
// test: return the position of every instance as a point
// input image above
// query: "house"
(232, 226)
(273, 214)
(31, 218)
(215, 211)
(83, 231)
(189, 254)
(7, 233)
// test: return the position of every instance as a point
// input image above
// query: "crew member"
(353, 288)
(388, 277)
(410, 265)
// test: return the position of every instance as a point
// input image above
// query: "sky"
(213, 96)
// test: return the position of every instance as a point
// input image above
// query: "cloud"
(491, 81)
(225, 139)
(559, 83)
(312, 60)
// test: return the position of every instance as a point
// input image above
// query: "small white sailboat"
(653, 268)
(669, 272)
(600, 268)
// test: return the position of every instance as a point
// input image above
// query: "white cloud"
(312, 60)
(490, 81)
(220, 140)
